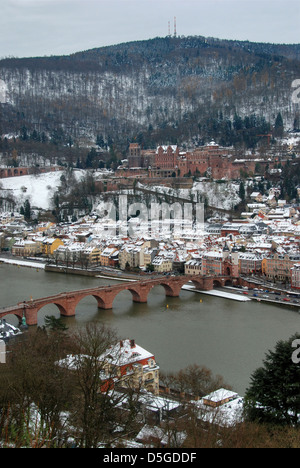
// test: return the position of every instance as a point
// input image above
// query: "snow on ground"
(291, 140)
(38, 189)
(217, 293)
(219, 195)
(22, 263)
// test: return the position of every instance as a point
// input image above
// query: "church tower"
(226, 252)
(235, 261)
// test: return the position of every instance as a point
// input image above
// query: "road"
(262, 294)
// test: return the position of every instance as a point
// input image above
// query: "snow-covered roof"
(126, 352)
(120, 354)
(220, 395)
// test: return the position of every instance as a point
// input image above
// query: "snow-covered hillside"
(183, 88)
(38, 189)
(219, 195)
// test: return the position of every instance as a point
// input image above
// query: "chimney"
(132, 344)
(121, 344)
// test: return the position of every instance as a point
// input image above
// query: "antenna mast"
(175, 26)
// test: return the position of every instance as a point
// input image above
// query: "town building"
(162, 264)
(295, 276)
(25, 248)
(91, 255)
(193, 267)
(278, 266)
(129, 257)
(221, 263)
(49, 245)
(106, 255)
(249, 263)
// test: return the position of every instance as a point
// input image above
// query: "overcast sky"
(59, 27)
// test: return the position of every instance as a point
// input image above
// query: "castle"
(211, 160)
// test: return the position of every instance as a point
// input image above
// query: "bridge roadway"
(105, 295)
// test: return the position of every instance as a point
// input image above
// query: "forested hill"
(163, 90)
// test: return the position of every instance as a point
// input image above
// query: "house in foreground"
(133, 365)
(124, 364)
(222, 407)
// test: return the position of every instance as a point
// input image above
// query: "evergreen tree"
(296, 126)
(100, 141)
(27, 210)
(54, 323)
(24, 134)
(242, 191)
(91, 156)
(279, 128)
(274, 392)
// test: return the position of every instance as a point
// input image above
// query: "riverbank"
(217, 293)
(32, 263)
(118, 275)
(23, 263)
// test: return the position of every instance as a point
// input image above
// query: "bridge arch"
(48, 310)
(138, 294)
(100, 300)
(106, 297)
(202, 283)
(170, 289)
(217, 283)
(83, 298)
(62, 310)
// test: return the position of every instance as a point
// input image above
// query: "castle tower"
(134, 155)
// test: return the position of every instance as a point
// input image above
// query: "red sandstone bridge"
(105, 295)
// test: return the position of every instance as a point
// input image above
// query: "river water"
(231, 338)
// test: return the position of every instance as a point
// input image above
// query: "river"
(230, 338)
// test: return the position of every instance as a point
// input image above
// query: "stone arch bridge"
(66, 302)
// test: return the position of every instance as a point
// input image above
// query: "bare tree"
(195, 380)
(34, 382)
(96, 412)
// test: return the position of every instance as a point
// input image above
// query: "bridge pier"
(205, 283)
(31, 315)
(174, 291)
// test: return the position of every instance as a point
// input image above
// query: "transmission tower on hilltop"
(169, 28)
